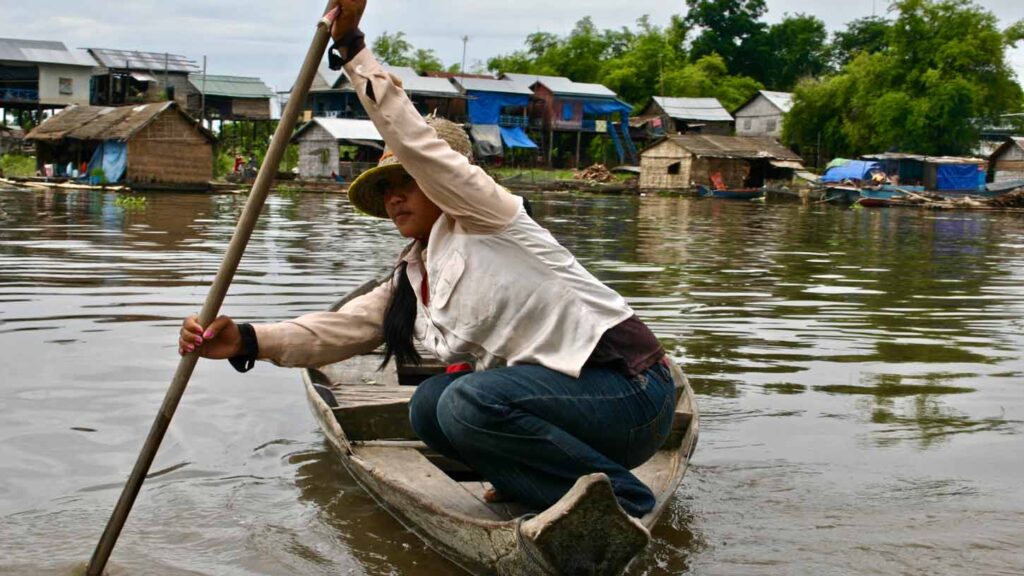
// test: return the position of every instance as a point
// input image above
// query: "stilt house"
(320, 142)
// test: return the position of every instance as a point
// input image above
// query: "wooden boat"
(364, 415)
(730, 194)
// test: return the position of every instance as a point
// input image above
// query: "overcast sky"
(267, 38)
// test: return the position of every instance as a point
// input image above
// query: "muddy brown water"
(860, 375)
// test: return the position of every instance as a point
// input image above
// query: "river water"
(859, 372)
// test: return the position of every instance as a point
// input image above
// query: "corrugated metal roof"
(499, 86)
(231, 86)
(782, 100)
(893, 156)
(743, 147)
(413, 83)
(344, 129)
(562, 86)
(135, 60)
(102, 123)
(43, 52)
(703, 109)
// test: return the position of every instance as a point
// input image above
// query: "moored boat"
(364, 415)
(730, 193)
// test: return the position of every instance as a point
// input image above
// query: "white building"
(763, 114)
(43, 74)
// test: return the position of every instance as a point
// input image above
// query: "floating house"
(955, 174)
(1007, 162)
(132, 77)
(41, 75)
(664, 115)
(320, 144)
(684, 161)
(332, 95)
(498, 114)
(146, 146)
(578, 111)
(763, 114)
(229, 98)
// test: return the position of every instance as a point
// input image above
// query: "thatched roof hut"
(151, 144)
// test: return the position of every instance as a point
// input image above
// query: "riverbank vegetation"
(928, 77)
(17, 166)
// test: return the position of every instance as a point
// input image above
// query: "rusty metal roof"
(136, 60)
(742, 147)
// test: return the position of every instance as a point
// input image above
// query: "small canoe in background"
(364, 415)
(731, 194)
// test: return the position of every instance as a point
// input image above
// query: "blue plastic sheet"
(485, 107)
(112, 157)
(852, 170)
(605, 107)
(516, 138)
(957, 177)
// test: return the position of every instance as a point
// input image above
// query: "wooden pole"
(215, 298)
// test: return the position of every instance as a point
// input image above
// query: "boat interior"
(371, 406)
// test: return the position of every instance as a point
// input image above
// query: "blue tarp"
(957, 176)
(605, 107)
(485, 107)
(852, 170)
(112, 157)
(516, 138)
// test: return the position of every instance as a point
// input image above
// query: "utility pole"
(202, 97)
(462, 68)
(167, 86)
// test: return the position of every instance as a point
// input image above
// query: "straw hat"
(367, 191)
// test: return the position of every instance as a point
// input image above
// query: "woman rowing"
(552, 376)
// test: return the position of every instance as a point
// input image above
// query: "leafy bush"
(17, 165)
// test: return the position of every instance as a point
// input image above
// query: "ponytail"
(400, 322)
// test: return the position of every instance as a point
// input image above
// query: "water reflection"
(841, 357)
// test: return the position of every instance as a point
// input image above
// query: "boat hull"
(735, 194)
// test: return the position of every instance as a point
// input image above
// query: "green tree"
(424, 61)
(943, 76)
(393, 49)
(732, 29)
(868, 35)
(795, 48)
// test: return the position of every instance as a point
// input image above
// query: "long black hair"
(400, 321)
(400, 316)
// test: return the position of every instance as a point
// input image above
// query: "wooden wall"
(315, 146)
(758, 119)
(169, 151)
(1009, 165)
(655, 164)
(251, 108)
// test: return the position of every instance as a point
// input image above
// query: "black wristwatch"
(250, 349)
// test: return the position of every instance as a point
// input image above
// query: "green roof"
(231, 86)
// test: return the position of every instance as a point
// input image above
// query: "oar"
(218, 290)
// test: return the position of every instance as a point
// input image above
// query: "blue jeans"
(532, 431)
